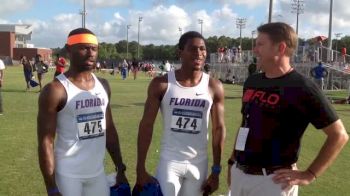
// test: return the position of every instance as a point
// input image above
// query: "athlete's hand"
(143, 178)
(289, 177)
(211, 184)
(121, 178)
(228, 180)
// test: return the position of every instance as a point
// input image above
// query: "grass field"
(19, 169)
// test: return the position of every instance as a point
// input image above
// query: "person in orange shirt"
(60, 63)
(343, 54)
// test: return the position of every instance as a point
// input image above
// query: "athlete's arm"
(1, 77)
(112, 139)
(51, 99)
(218, 130)
(156, 90)
(336, 139)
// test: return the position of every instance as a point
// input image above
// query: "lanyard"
(246, 112)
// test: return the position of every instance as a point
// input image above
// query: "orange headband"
(82, 39)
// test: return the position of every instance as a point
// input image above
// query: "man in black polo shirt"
(277, 107)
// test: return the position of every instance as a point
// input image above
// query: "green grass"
(19, 169)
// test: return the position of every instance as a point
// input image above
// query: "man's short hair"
(281, 32)
(187, 36)
(80, 31)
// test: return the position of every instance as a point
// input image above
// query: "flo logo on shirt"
(261, 96)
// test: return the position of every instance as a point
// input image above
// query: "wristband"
(53, 191)
(121, 168)
(216, 169)
(230, 162)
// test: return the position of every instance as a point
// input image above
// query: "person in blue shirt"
(319, 73)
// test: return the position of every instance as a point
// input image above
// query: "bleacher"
(337, 65)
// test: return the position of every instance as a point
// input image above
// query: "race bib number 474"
(90, 125)
(186, 121)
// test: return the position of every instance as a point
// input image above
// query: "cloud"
(248, 3)
(13, 6)
(162, 20)
(53, 33)
(105, 3)
(159, 25)
(314, 20)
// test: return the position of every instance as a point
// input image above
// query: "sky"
(52, 20)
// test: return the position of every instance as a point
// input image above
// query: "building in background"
(14, 43)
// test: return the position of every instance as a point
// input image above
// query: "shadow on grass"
(233, 97)
(127, 105)
(19, 91)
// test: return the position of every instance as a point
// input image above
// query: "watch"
(216, 169)
(121, 167)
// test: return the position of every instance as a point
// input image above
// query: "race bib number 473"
(186, 121)
(90, 125)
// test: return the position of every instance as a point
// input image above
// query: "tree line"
(117, 51)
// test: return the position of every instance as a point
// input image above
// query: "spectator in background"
(98, 66)
(124, 69)
(167, 66)
(252, 68)
(319, 73)
(27, 70)
(207, 68)
(135, 67)
(343, 54)
(41, 68)
(60, 64)
(2, 68)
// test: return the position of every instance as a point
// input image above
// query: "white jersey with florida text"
(81, 131)
(185, 113)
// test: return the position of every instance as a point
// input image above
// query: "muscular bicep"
(50, 101)
(217, 110)
(155, 94)
(109, 118)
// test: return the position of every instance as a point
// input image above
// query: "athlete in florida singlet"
(81, 126)
(185, 113)
(185, 98)
(75, 125)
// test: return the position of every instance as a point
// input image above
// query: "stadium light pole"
(330, 24)
(270, 11)
(253, 33)
(337, 35)
(240, 23)
(200, 21)
(298, 8)
(330, 31)
(127, 41)
(138, 38)
(180, 30)
(83, 15)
